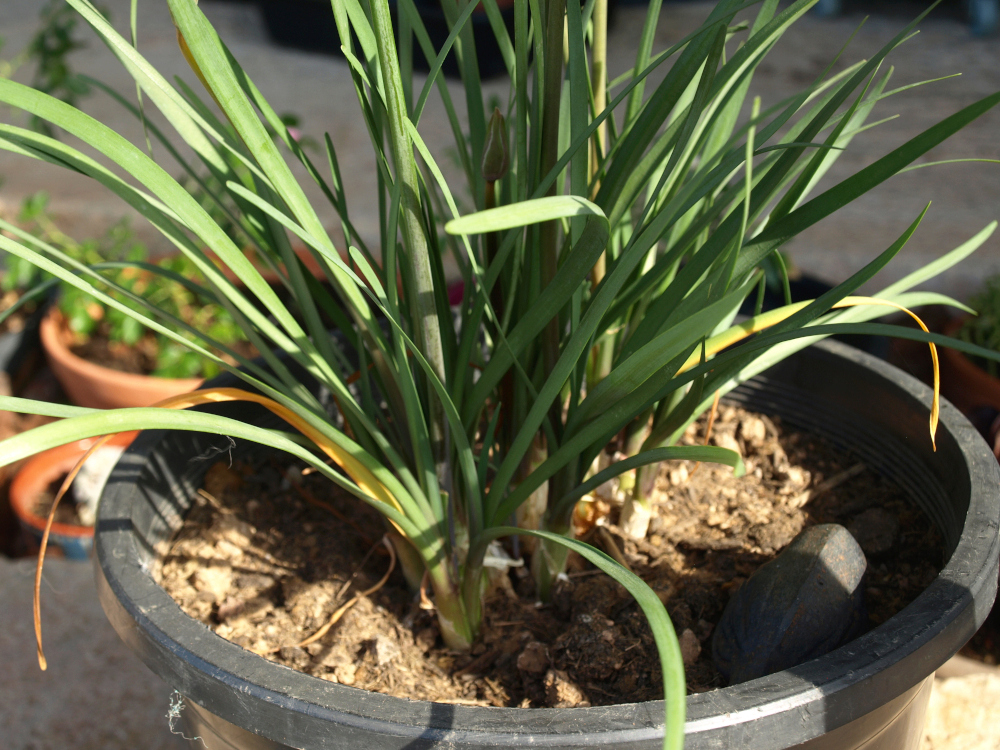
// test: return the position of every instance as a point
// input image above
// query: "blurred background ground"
(95, 694)
(318, 89)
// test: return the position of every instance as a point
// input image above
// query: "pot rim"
(960, 360)
(49, 465)
(51, 331)
(800, 703)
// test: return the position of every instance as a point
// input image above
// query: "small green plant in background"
(122, 261)
(983, 329)
(48, 55)
(48, 52)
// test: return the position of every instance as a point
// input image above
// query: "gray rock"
(805, 603)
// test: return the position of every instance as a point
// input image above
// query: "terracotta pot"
(35, 477)
(965, 384)
(973, 390)
(310, 262)
(100, 387)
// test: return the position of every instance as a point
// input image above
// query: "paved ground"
(95, 694)
(963, 712)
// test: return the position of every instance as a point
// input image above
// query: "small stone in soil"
(690, 647)
(724, 440)
(806, 602)
(426, 638)
(230, 528)
(875, 530)
(308, 603)
(533, 658)
(678, 475)
(297, 656)
(561, 692)
(345, 674)
(227, 550)
(385, 650)
(753, 430)
(214, 580)
(231, 607)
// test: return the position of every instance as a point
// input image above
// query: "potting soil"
(270, 552)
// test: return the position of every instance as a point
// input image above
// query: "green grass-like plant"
(617, 229)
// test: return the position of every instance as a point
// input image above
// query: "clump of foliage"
(48, 51)
(171, 284)
(983, 329)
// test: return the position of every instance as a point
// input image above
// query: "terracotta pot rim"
(950, 329)
(46, 467)
(964, 366)
(52, 334)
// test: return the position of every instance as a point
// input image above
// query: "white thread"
(174, 713)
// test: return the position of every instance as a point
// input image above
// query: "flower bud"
(496, 152)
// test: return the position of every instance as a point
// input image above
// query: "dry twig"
(37, 603)
(826, 485)
(611, 547)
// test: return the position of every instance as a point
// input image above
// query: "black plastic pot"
(308, 25)
(871, 693)
(983, 16)
(21, 352)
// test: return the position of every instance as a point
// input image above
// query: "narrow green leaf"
(104, 422)
(706, 453)
(675, 698)
(775, 235)
(523, 214)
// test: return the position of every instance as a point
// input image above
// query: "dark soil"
(16, 322)
(67, 510)
(137, 359)
(268, 555)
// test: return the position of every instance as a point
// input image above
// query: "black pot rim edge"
(887, 658)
